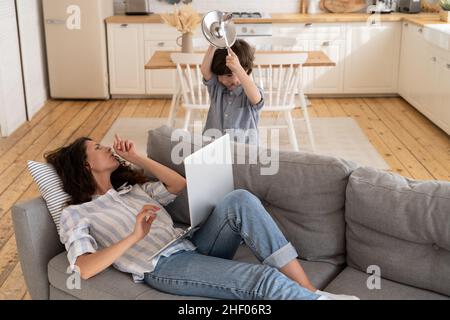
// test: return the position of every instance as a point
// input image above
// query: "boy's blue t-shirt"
(231, 110)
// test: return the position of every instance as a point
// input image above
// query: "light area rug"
(339, 137)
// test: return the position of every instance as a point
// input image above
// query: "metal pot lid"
(213, 31)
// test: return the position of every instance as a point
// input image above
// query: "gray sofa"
(342, 219)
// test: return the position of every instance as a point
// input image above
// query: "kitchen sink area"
(438, 35)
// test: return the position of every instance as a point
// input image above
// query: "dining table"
(161, 60)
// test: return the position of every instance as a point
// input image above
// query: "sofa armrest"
(37, 242)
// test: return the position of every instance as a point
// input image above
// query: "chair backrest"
(279, 74)
(190, 78)
(272, 43)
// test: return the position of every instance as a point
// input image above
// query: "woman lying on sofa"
(116, 217)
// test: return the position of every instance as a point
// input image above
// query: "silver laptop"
(209, 178)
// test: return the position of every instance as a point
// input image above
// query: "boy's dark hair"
(243, 50)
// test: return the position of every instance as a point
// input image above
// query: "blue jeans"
(209, 270)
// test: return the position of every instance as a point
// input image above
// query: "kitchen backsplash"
(229, 5)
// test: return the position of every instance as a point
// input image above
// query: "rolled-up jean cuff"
(281, 257)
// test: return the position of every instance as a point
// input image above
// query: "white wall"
(12, 102)
(33, 53)
(229, 5)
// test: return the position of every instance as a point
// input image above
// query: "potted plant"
(445, 12)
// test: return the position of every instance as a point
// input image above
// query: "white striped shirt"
(111, 217)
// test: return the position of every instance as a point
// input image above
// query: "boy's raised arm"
(207, 62)
(250, 88)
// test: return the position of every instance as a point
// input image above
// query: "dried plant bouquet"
(184, 18)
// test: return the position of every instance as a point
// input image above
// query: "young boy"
(235, 99)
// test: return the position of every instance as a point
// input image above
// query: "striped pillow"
(50, 187)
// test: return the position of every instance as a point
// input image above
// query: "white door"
(126, 58)
(160, 81)
(372, 58)
(12, 100)
(327, 79)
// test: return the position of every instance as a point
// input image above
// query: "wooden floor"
(410, 144)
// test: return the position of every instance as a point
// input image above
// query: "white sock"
(331, 296)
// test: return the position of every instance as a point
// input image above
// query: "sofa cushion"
(113, 284)
(400, 225)
(354, 282)
(56, 294)
(305, 196)
(110, 284)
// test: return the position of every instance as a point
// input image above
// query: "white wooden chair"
(198, 44)
(275, 43)
(279, 74)
(194, 94)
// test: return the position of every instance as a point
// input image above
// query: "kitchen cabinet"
(310, 31)
(366, 56)
(372, 56)
(326, 79)
(159, 81)
(126, 59)
(440, 110)
(425, 90)
(160, 37)
(346, 44)
(130, 47)
(424, 76)
(416, 63)
(326, 37)
(434, 96)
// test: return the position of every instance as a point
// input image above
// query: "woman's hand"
(144, 221)
(125, 149)
(232, 62)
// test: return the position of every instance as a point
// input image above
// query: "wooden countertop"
(420, 19)
(161, 59)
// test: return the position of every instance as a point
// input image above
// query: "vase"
(186, 44)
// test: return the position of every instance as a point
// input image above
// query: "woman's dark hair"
(78, 181)
(243, 50)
